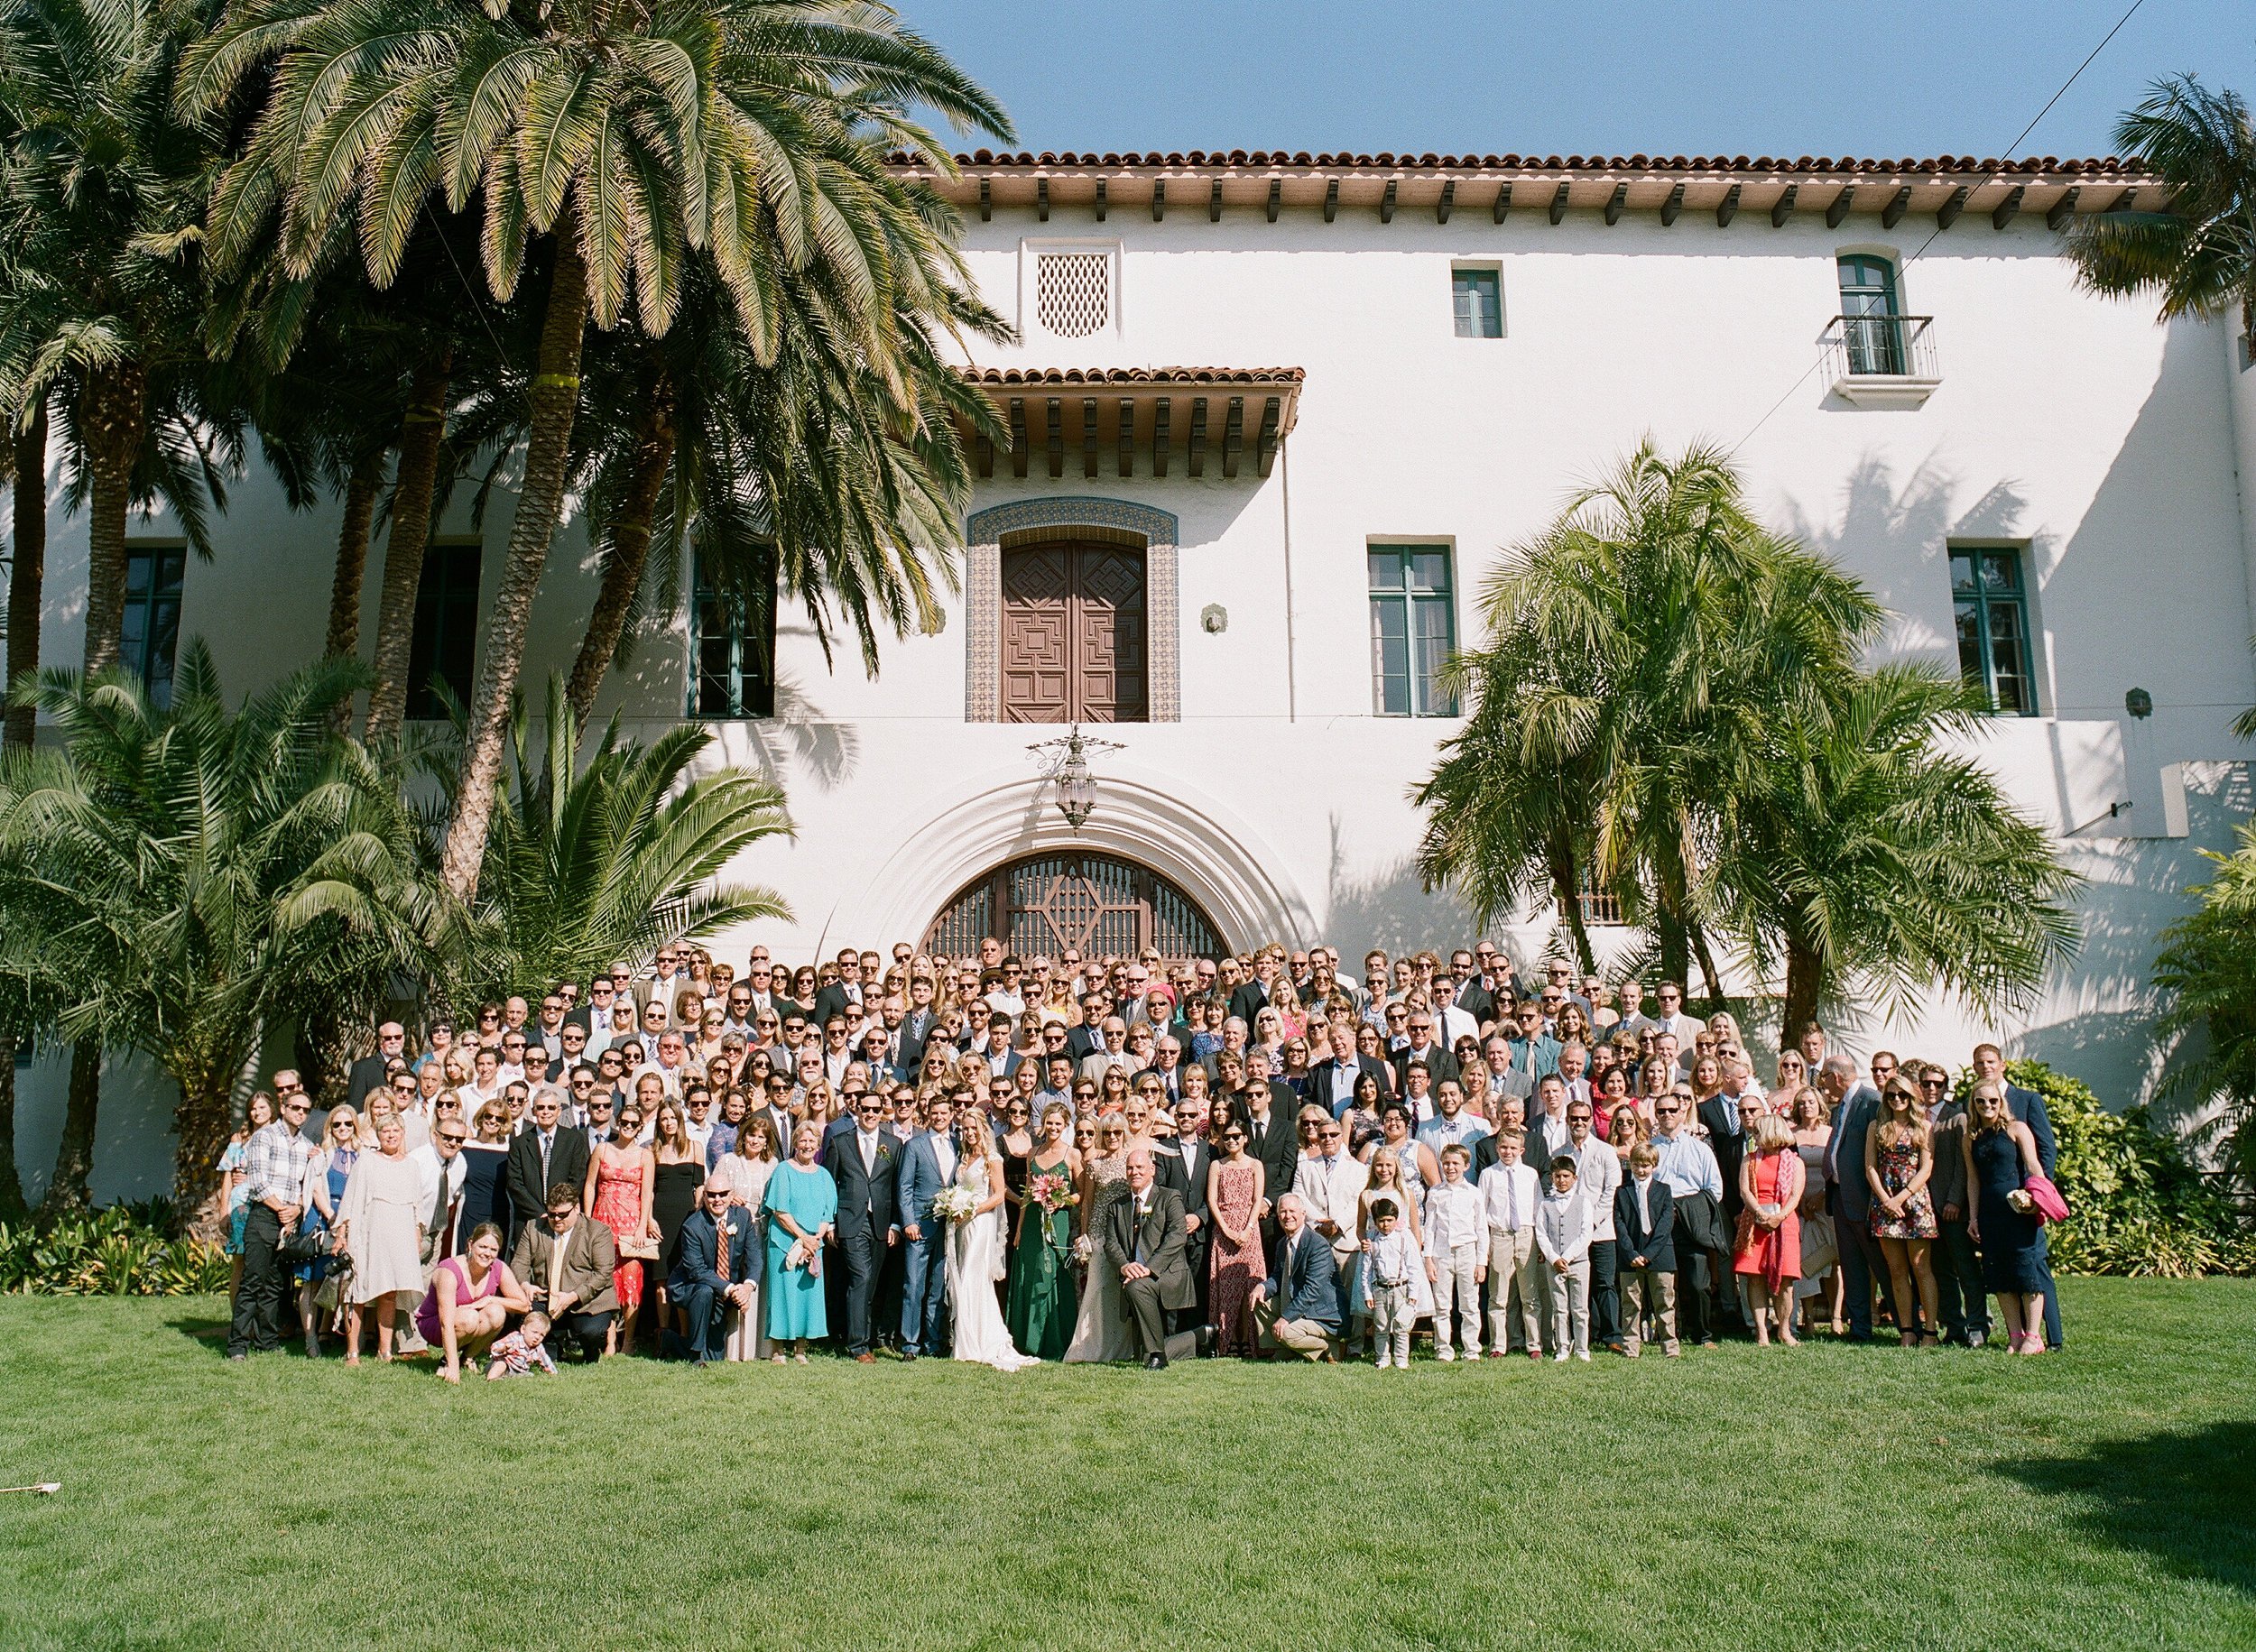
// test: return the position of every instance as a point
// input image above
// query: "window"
(1871, 322)
(149, 637)
(1413, 630)
(444, 649)
(1069, 288)
(735, 675)
(1478, 295)
(1994, 642)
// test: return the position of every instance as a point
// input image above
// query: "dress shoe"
(908, 1355)
(1974, 1339)
(864, 1358)
(1155, 1361)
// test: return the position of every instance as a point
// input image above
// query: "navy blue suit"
(1304, 1280)
(923, 1260)
(696, 1285)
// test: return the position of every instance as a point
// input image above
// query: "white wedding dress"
(974, 1263)
(1101, 1333)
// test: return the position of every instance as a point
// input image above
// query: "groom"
(1143, 1240)
(927, 1165)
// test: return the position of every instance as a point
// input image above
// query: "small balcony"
(1882, 361)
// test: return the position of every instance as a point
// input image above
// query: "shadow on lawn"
(2181, 1496)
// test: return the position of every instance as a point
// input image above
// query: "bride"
(975, 1252)
(1101, 1333)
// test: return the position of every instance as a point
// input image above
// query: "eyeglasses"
(456, 1140)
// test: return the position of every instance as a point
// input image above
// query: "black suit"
(1188, 1180)
(528, 1187)
(865, 1217)
(1249, 1000)
(367, 1074)
(1720, 1116)
(1634, 1241)
(832, 1001)
(1279, 1152)
(1439, 1065)
(1327, 1090)
(916, 1027)
(698, 1285)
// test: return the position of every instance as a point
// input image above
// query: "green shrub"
(2136, 1203)
(125, 1251)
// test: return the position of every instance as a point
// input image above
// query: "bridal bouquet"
(1052, 1190)
(955, 1204)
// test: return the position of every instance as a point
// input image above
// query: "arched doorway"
(1095, 903)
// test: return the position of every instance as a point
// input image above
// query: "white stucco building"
(1373, 374)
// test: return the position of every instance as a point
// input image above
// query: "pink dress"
(1234, 1267)
(619, 1207)
(427, 1311)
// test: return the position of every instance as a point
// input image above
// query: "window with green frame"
(733, 671)
(1413, 630)
(1478, 297)
(149, 630)
(1990, 599)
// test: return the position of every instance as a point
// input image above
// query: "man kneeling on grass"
(1297, 1307)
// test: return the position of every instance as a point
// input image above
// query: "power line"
(1908, 262)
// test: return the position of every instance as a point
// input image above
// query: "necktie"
(1140, 1214)
(720, 1248)
(1512, 1200)
(548, 1140)
(556, 1267)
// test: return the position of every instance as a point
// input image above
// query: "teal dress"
(795, 1299)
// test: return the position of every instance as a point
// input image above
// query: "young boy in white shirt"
(1510, 1193)
(1562, 1240)
(1387, 1261)
(1456, 1261)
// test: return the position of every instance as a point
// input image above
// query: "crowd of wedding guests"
(1104, 1159)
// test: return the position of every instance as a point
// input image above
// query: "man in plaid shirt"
(274, 1172)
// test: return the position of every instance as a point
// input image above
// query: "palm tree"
(2207, 969)
(1874, 864)
(2197, 251)
(1637, 648)
(610, 857)
(811, 474)
(615, 141)
(101, 306)
(198, 877)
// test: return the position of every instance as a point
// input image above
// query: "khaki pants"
(1305, 1337)
(1644, 1289)
(1514, 1270)
(1456, 1289)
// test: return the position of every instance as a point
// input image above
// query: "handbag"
(1820, 1246)
(638, 1250)
(2048, 1206)
(305, 1245)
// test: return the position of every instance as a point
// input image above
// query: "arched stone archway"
(1187, 838)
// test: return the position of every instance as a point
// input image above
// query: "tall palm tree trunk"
(1805, 982)
(111, 410)
(200, 1125)
(555, 401)
(654, 438)
(74, 1159)
(422, 429)
(27, 576)
(352, 554)
(1708, 966)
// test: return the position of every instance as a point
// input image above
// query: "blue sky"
(1658, 77)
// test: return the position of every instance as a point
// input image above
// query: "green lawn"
(1828, 1496)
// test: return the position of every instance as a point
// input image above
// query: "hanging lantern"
(1067, 760)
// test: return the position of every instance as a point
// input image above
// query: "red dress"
(1234, 1265)
(619, 1207)
(1773, 1253)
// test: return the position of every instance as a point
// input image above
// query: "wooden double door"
(1074, 634)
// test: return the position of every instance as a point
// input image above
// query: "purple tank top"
(426, 1315)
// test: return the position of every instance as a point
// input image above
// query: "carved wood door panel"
(1073, 643)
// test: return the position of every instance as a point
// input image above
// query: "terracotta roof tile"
(2103, 166)
(1134, 375)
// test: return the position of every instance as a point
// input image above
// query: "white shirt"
(944, 1150)
(1329, 1187)
(1510, 1194)
(1392, 1260)
(1455, 1216)
(867, 1141)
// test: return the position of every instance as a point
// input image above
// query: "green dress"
(794, 1295)
(1044, 1303)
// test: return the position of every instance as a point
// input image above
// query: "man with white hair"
(1143, 1240)
(1296, 1306)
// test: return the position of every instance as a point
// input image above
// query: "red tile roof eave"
(1282, 376)
(2109, 166)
